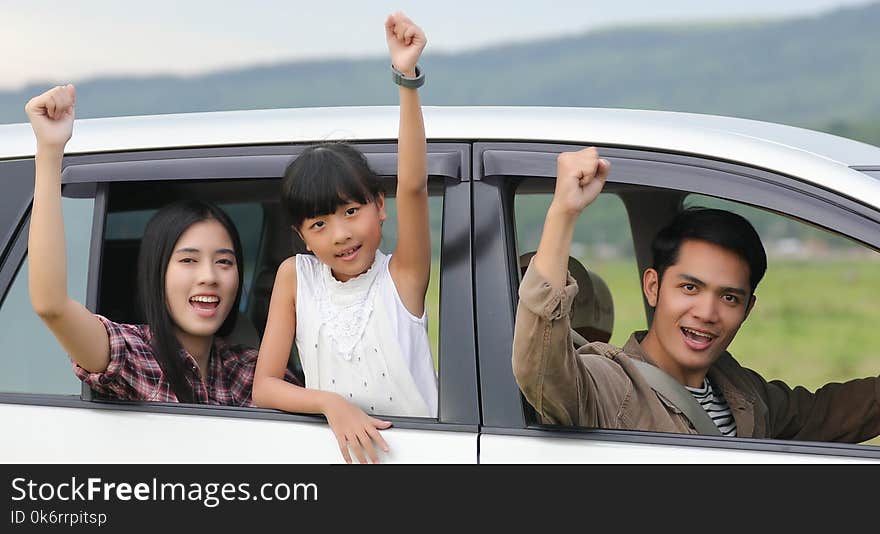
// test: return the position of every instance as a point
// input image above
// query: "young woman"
(189, 278)
(358, 316)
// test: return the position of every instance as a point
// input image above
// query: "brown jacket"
(599, 386)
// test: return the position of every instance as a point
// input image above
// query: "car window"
(602, 243)
(267, 240)
(33, 361)
(813, 321)
(816, 313)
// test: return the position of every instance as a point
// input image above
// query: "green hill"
(818, 71)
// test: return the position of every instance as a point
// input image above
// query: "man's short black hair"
(719, 227)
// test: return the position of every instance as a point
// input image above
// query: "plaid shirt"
(134, 373)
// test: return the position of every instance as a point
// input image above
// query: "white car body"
(44, 428)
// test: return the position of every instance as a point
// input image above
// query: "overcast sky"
(52, 41)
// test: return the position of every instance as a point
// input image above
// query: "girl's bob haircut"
(325, 177)
(161, 234)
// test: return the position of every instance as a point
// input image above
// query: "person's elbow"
(523, 368)
(265, 392)
(47, 309)
(260, 393)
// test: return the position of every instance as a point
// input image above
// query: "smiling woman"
(190, 273)
(189, 280)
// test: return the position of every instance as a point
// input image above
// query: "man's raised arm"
(544, 362)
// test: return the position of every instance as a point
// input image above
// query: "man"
(706, 267)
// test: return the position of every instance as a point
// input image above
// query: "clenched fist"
(580, 177)
(405, 42)
(51, 115)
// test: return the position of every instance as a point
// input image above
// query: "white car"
(486, 165)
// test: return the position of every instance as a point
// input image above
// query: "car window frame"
(497, 165)
(17, 180)
(90, 175)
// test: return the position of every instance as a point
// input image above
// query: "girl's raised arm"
(411, 262)
(80, 333)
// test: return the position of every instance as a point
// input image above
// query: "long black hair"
(161, 234)
(324, 177)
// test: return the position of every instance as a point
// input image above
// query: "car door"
(48, 417)
(645, 186)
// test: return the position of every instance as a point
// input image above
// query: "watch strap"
(410, 82)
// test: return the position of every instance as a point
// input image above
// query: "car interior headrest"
(592, 312)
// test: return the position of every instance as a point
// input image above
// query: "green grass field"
(432, 300)
(814, 321)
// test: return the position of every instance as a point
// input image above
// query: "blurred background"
(807, 63)
(811, 63)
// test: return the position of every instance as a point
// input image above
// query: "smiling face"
(201, 280)
(347, 239)
(702, 301)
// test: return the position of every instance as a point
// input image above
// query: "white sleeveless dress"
(357, 339)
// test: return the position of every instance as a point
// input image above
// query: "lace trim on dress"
(346, 307)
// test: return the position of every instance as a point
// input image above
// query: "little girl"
(358, 316)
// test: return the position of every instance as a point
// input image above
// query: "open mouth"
(349, 253)
(697, 339)
(205, 305)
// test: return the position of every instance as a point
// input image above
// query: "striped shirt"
(716, 406)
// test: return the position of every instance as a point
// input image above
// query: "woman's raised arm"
(80, 333)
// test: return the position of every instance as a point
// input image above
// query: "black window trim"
(96, 246)
(18, 192)
(503, 405)
(15, 254)
(444, 159)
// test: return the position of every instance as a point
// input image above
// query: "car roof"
(817, 157)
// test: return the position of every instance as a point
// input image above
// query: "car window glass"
(33, 361)
(602, 243)
(432, 299)
(816, 313)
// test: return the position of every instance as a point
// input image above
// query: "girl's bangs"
(325, 177)
(322, 195)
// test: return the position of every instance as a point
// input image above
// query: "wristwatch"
(409, 82)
